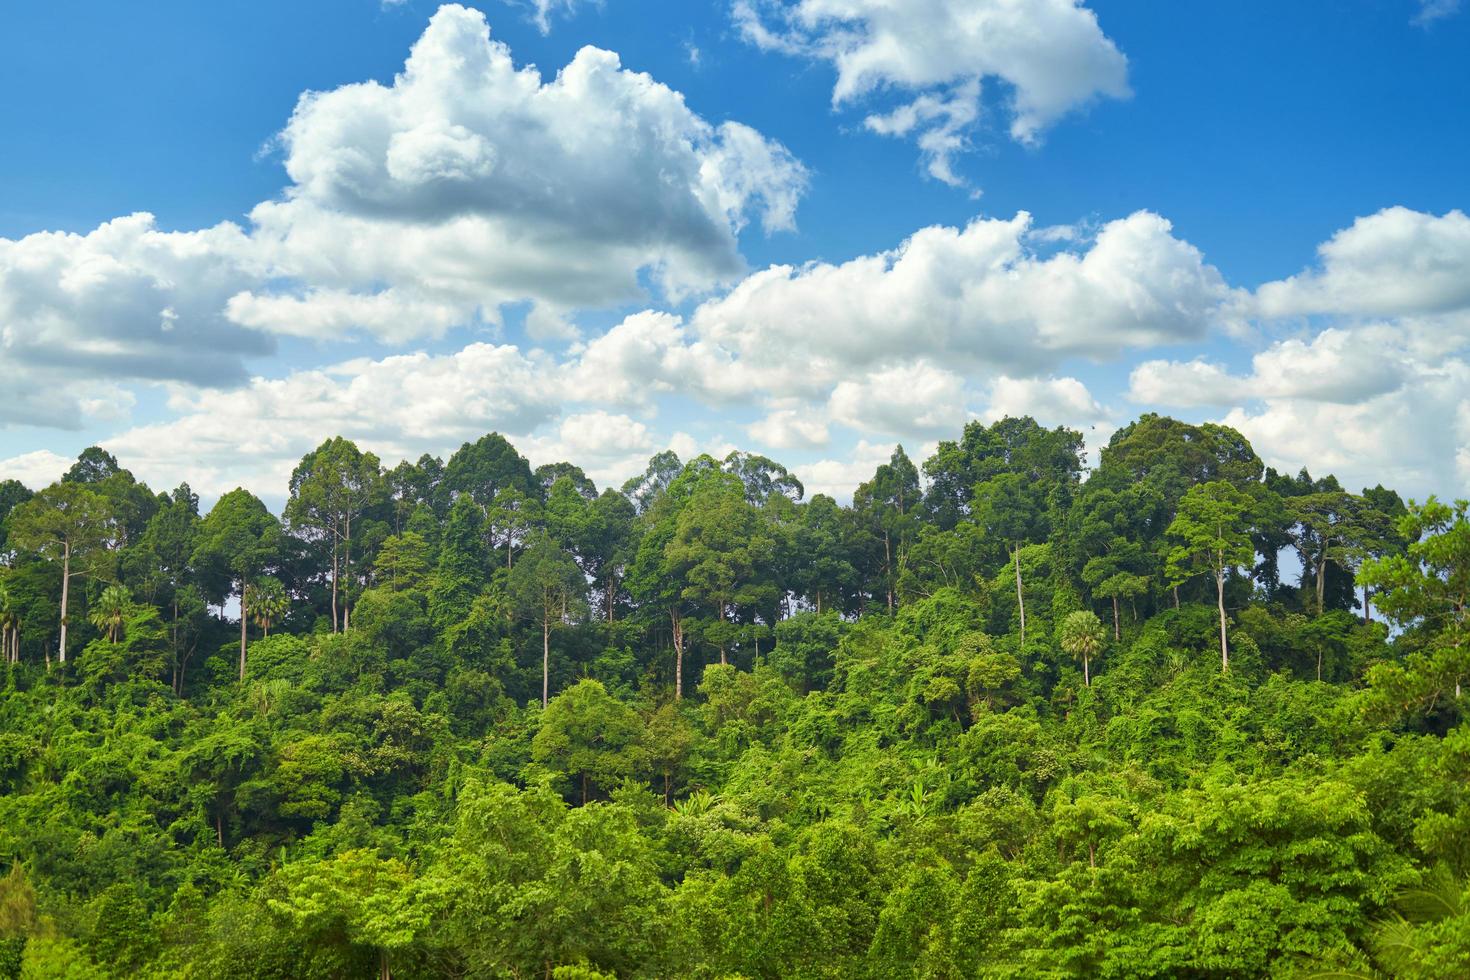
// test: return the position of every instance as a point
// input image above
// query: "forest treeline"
(999, 716)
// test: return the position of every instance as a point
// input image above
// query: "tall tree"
(238, 540)
(67, 522)
(1081, 637)
(890, 501)
(546, 585)
(1009, 508)
(330, 488)
(1212, 534)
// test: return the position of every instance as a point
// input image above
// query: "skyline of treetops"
(998, 717)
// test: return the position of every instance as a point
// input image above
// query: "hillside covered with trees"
(1178, 716)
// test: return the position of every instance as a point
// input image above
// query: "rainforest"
(1000, 715)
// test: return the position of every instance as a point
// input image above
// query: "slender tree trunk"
(1367, 609)
(243, 619)
(1117, 635)
(723, 659)
(888, 570)
(383, 972)
(612, 591)
(1176, 597)
(65, 592)
(1220, 594)
(1020, 596)
(545, 658)
(347, 570)
(1322, 583)
(819, 602)
(1086, 672)
(335, 545)
(678, 626)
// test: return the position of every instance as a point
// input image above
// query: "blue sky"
(1248, 134)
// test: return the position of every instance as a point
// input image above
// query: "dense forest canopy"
(1000, 716)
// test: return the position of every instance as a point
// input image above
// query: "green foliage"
(895, 753)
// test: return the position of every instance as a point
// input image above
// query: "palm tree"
(9, 627)
(110, 610)
(1081, 636)
(267, 602)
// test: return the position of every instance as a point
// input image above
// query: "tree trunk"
(678, 626)
(1220, 594)
(612, 591)
(819, 602)
(723, 660)
(1367, 609)
(334, 580)
(1176, 597)
(383, 972)
(1086, 672)
(888, 570)
(1322, 582)
(1020, 597)
(347, 570)
(243, 617)
(545, 658)
(65, 592)
(1117, 635)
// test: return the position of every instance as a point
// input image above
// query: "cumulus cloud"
(1397, 262)
(904, 400)
(1050, 57)
(1413, 437)
(466, 184)
(124, 302)
(1051, 401)
(35, 469)
(971, 297)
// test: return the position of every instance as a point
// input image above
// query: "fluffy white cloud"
(1413, 438)
(477, 182)
(1184, 383)
(35, 469)
(1397, 262)
(915, 399)
(1051, 55)
(1051, 401)
(125, 302)
(972, 297)
(398, 406)
(464, 185)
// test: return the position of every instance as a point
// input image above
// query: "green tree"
(1213, 536)
(70, 523)
(546, 585)
(1080, 636)
(591, 736)
(330, 488)
(110, 611)
(238, 540)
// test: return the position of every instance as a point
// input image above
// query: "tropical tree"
(330, 488)
(1081, 636)
(268, 602)
(9, 626)
(67, 522)
(1212, 535)
(110, 611)
(238, 540)
(545, 585)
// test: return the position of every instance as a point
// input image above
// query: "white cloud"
(913, 399)
(791, 428)
(1412, 438)
(1397, 262)
(1051, 401)
(1184, 383)
(838, 478)
(35, 469)
(972, 297)
(1049, 55)
(464, 185)
(125, 302)
(399, 406)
